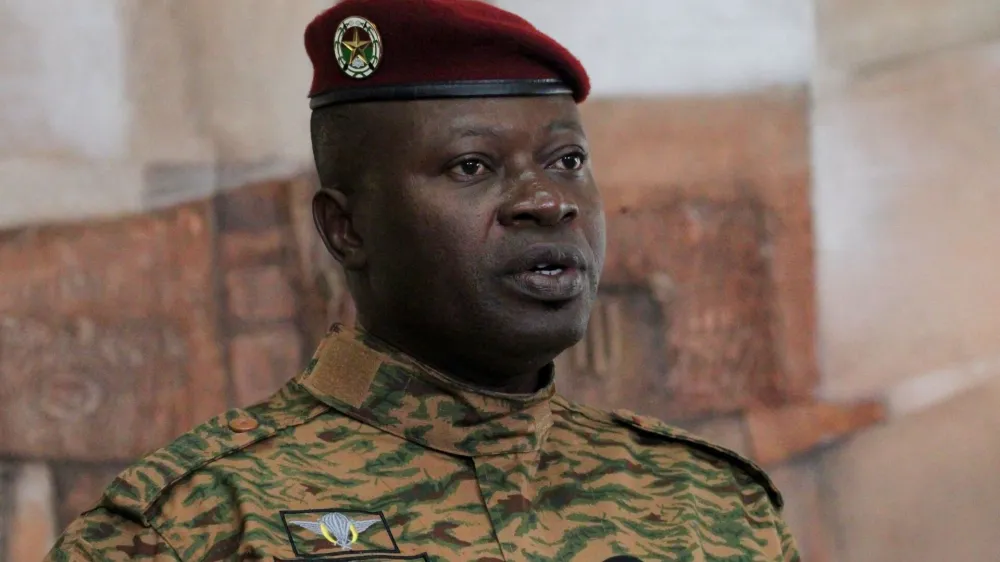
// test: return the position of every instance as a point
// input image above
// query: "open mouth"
(548, 269)
(549, 272)
(548, 259)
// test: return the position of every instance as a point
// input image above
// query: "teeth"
(547, 269)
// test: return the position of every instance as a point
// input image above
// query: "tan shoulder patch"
(137, 489)
(650, 425)
(343, 368)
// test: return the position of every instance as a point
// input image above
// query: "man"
(457, 193)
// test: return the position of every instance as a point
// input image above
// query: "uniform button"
(243, 423)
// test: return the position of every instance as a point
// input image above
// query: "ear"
(334, 221)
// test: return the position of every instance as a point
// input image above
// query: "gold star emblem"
(355, 45)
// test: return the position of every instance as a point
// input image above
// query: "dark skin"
(442, 213)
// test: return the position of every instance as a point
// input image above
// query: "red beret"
(378, 50)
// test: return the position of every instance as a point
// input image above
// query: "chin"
(551, 330)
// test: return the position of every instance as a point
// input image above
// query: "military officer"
(457, 194)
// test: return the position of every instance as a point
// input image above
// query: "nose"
(538, 205)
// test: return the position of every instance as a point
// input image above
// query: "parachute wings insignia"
(338, 528)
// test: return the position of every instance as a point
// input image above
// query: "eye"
(469, 168)
(572, 162)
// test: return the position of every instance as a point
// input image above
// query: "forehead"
(442, 119)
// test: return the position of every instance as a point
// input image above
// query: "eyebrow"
(474, 131)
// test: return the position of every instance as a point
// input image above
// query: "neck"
(522, 379)
(526, 383)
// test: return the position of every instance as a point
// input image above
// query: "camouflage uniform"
(370, 455)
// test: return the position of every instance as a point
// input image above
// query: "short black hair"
(338, 133)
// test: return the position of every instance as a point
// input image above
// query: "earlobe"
(335, 224)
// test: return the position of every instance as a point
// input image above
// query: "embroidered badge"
(329, 532)
(358, 47)
(338, 528)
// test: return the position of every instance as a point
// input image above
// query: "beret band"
(433, 90)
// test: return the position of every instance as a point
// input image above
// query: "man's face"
(481, 225)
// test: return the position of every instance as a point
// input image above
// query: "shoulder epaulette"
(137, 490)
(650, 425)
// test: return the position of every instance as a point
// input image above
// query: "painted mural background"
(802, 244)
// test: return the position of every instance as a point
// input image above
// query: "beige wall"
(906, 202)
(906, 144)
(112, 106)
(676, 47)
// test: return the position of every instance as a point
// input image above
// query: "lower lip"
(563, 286)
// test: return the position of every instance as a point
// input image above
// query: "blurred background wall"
(802, 244)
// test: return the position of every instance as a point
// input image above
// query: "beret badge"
(358, 47)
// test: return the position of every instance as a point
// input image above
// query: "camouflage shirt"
(367, 455)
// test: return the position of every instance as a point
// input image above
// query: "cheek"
(437, 239)
(458, 237)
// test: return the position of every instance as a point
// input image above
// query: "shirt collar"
(385, 388)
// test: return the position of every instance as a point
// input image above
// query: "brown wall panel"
(691, 293)
(108, 336)
(709, 222)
